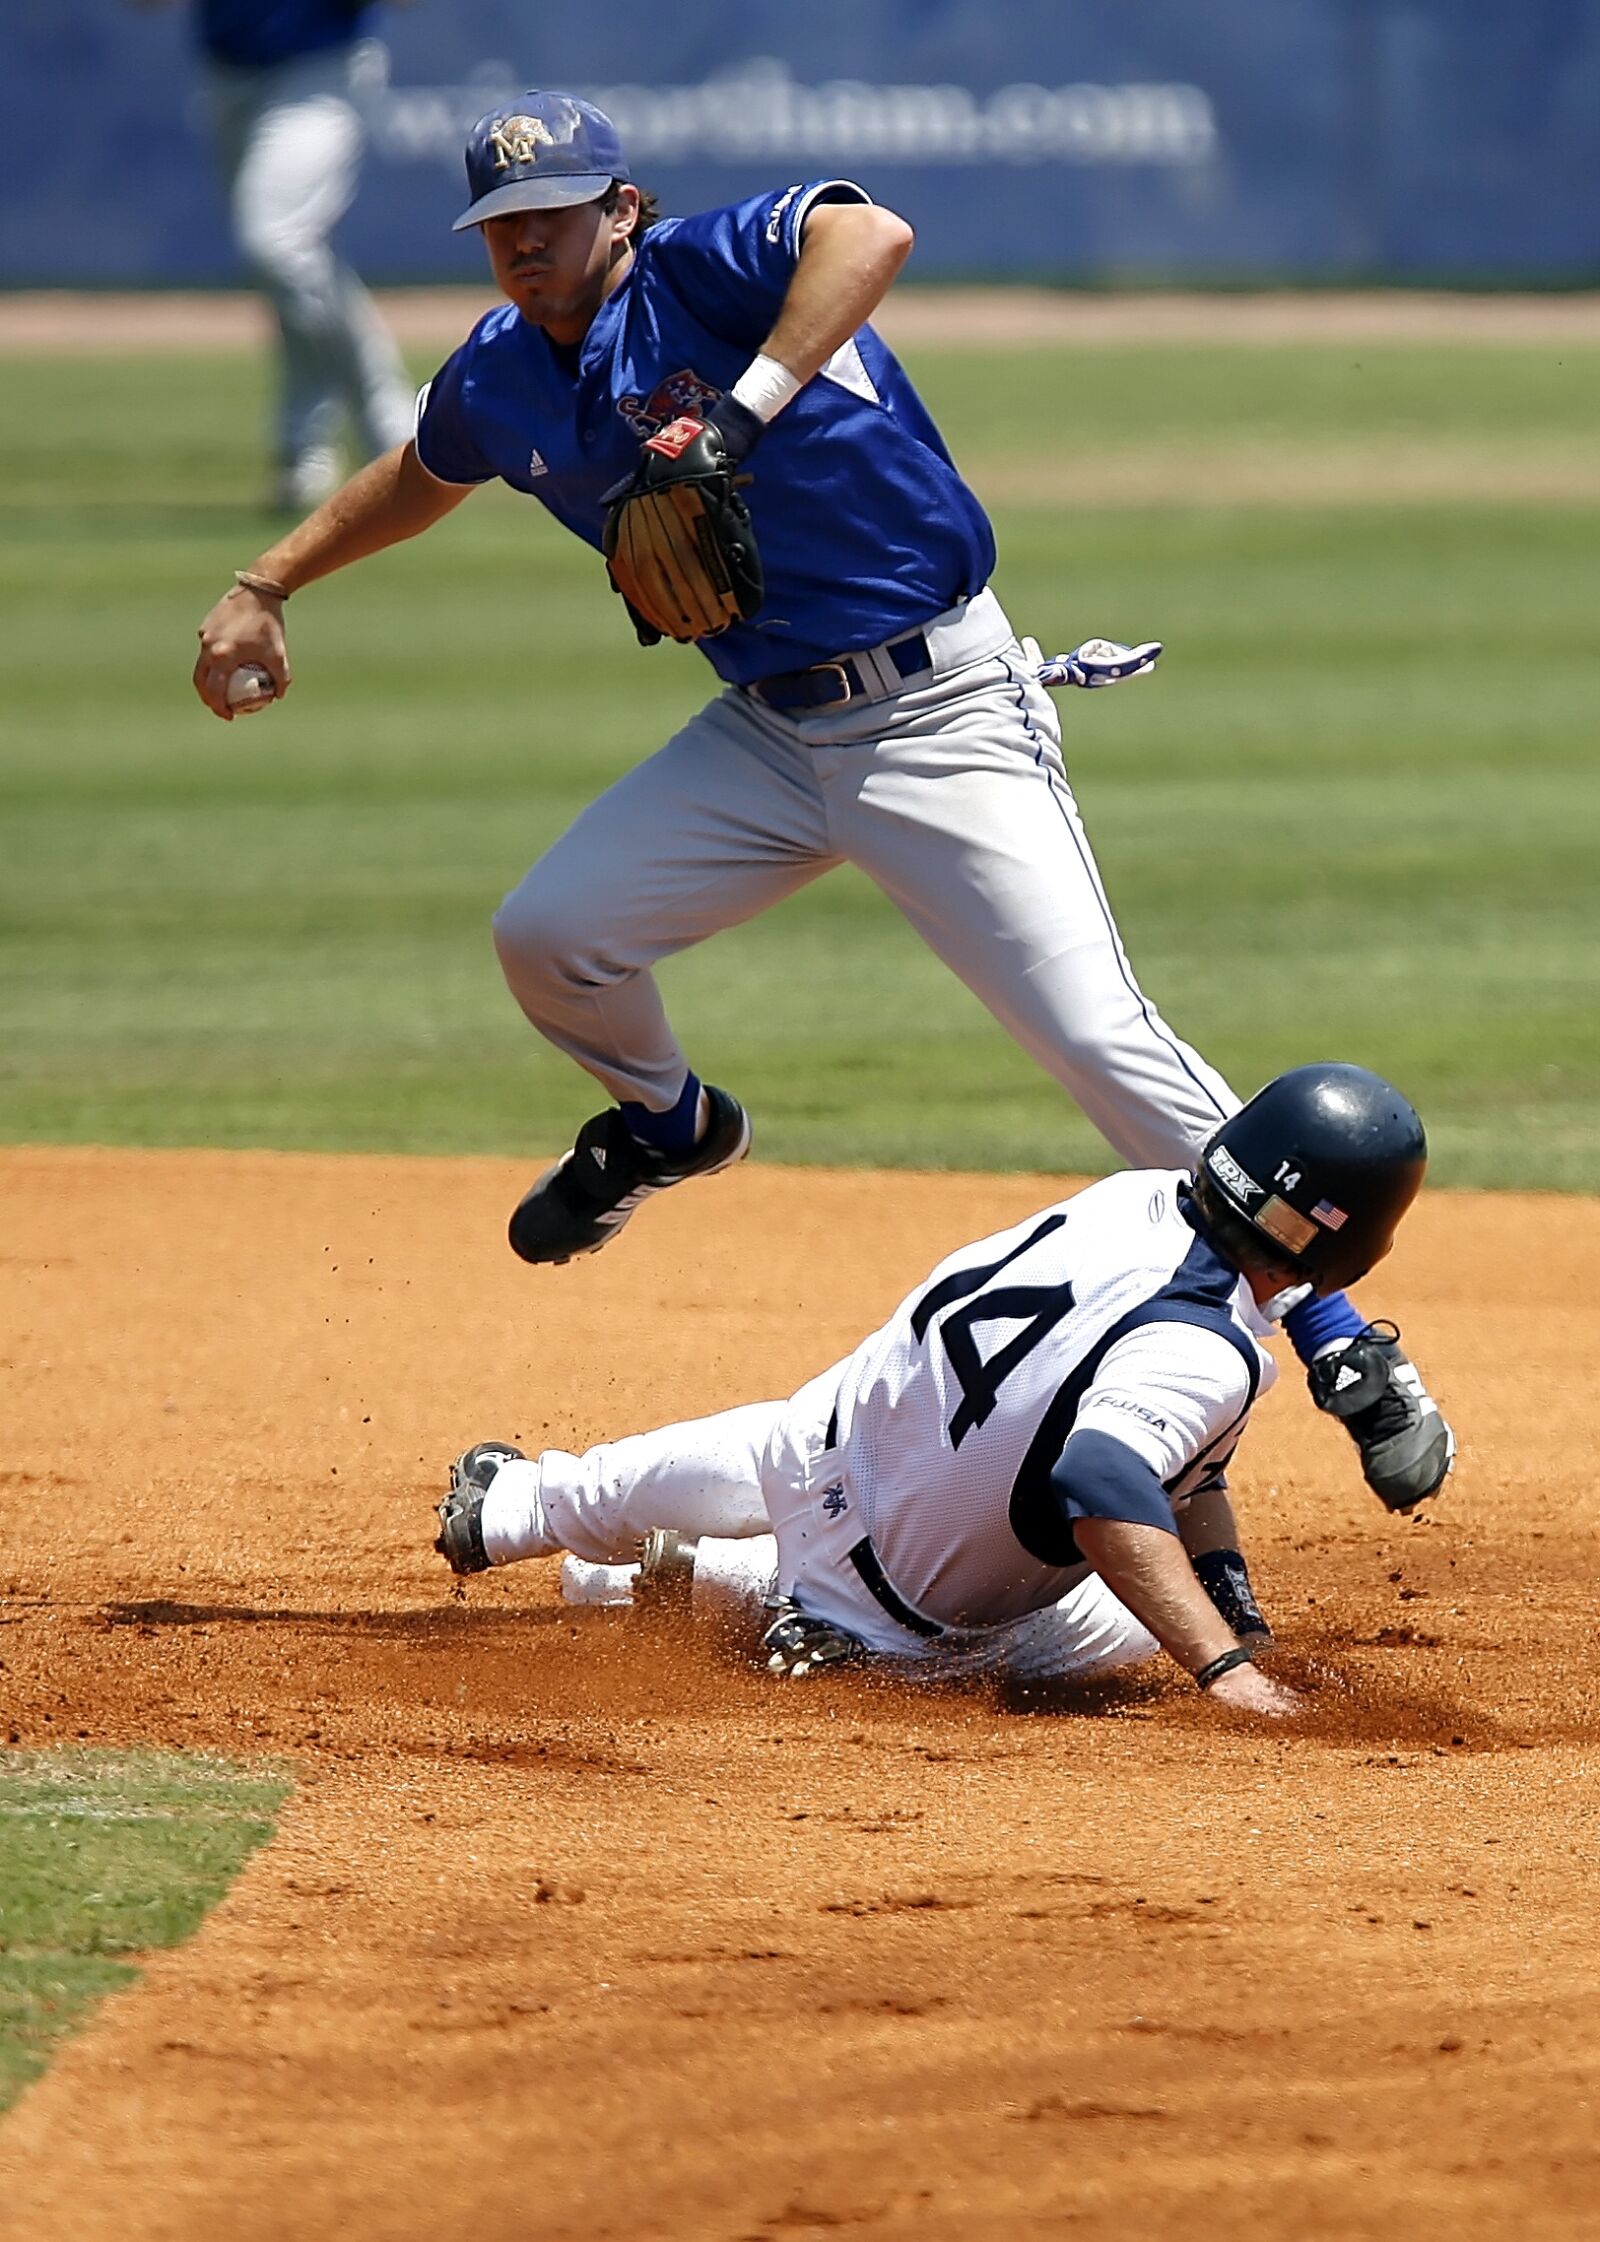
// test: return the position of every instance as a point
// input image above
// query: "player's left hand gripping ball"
(678, 540)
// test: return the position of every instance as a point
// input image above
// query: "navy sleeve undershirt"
(1096, 1476)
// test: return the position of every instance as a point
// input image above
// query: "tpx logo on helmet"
(1226, 1168)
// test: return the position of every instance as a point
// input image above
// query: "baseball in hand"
(250, 688)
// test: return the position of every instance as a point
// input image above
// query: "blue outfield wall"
(1088, 141)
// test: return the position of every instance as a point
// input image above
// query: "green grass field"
(105, 1855)
(1355, 814)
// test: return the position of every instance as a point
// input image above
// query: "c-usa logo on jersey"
(682, 392)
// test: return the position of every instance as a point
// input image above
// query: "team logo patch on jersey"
(682, 392)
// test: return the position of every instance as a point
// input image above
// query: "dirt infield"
(571, 1932)
(952, 318)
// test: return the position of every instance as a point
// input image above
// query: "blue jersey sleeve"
(445, 443)
(732, 267)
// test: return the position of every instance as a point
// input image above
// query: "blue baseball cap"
(539, 152)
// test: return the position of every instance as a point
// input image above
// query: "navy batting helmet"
(1321, 1164)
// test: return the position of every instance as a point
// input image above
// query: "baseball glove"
(678, 540)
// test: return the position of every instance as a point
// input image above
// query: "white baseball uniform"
(920, 1494)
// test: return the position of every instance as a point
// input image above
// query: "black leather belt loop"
(837, 683)
(873, 1578)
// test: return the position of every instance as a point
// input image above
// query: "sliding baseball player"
(1022, 1470)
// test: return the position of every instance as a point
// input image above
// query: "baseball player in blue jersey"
(1022, 1471)
(280, 86)
(876, 705)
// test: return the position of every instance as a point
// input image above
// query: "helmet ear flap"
(1236, 1235)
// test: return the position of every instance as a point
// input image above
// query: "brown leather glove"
(678, 540)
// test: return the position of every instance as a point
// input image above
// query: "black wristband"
(740, 428)
(1222, 1574)
(1238, 1656)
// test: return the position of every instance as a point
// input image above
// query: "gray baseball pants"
(950, 794)
(289, 141)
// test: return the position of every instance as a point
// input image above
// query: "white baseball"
(250, 688)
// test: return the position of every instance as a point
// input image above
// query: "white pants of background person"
(951, 795)
(746, 1483)
(290, 143)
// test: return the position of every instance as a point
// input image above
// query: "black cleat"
(1406, 1447)
(797, 1645)
(582, 1202)
(460, 1539)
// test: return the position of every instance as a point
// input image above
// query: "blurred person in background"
(280, 88)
